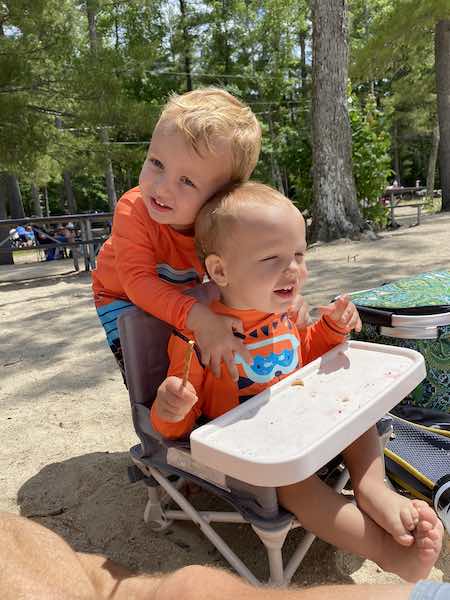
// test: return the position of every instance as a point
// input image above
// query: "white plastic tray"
(288, 432)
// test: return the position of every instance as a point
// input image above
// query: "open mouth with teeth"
(285, 292)
(160, 206)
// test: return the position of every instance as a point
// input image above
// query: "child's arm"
(176, 407)
(134, 238)
(216, 340)
(338, 319)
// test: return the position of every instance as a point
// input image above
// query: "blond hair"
(209, 115)
(216, 219)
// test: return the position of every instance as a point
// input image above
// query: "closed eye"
(269, 258)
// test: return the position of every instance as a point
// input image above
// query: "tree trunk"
(91, 7)
(37, 210)
(6, 258)
(335, 211)
(225, 36)
(47, 207)
(395, 147)
(186, 46)
(69, 194)
(276, 173)
(432, 162)
(15, 197)
(303, 72)
(442, 57)
(109, 173)
(94, 44)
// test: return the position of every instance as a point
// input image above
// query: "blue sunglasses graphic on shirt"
(265, 367)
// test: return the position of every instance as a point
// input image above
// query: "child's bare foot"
(396, 514)
(416, 562)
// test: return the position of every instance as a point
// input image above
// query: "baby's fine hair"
(208, 115)
(215, 221)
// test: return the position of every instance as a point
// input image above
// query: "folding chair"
(166, 465)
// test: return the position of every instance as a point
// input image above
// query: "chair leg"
(205, 527)
(154, 513)
(273, 541)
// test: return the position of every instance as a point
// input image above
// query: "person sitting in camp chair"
(252, 242)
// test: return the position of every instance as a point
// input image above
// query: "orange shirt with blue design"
(278, 348)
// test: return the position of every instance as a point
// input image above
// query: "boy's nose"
(161, 187)
(298, 268)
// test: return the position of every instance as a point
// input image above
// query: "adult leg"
(37, 564)
(205, 583)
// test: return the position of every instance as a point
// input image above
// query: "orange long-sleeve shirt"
(278, 348)
(146, 263)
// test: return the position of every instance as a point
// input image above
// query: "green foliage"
(371, 158)
(393, 54)
(257, 49)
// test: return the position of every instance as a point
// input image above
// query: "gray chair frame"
(144, 341)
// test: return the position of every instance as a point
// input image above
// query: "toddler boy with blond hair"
(252, 242)
(203, 140)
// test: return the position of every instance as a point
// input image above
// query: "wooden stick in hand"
(187, 362)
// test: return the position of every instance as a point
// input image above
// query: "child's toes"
(406, 539)
(409, 516)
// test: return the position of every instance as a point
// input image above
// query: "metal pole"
(91, 246)
(85, 248)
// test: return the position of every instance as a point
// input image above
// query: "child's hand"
(343, 313)
(299, 312)
(205, 293)
(214, 336)
(174, 401)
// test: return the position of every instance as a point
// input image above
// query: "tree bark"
(335, 211)
(47, 208)
(91, 7)
(432, 162)
(68, 193)
(276, 173)
(37, 210)
(442, 57)
(186, 46)
(15, 197)
(6, 258)
(94, 44)
(303, 72)
(395, 147)
(109, 173)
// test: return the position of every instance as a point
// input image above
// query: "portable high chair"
(165, 465)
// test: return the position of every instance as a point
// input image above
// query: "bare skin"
(378, 526)
(38, 565)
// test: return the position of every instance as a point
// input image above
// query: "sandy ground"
(65, 422)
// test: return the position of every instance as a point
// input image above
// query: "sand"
(65, 421)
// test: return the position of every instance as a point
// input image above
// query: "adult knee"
(188, 582)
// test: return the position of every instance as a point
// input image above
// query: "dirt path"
(65, 422)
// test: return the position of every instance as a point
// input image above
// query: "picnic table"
(85, 240)
(396, 195)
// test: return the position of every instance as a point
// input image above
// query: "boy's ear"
(215, 266)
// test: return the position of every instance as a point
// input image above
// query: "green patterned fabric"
(434, 391)
(427, 289)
